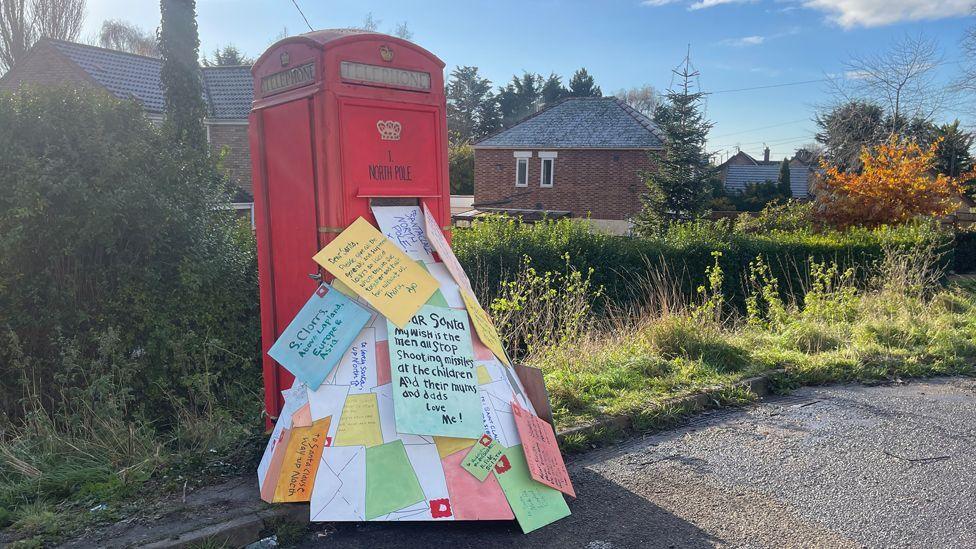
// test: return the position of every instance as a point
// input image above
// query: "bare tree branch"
(60, 19)
(123, 36)
(17, 32)
(23, 22)
(902, 80)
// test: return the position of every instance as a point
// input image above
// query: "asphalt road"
(844, 466)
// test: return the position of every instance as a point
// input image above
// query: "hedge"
(965, 252)
(112, 239)
(492, 250)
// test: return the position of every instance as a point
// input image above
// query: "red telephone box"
(341, 120)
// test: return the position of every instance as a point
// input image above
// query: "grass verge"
(903, 322)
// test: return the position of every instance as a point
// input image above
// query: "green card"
(534, 504)
(482, 457)
(438, 298)
(391, 483)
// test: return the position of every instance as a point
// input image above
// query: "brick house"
(579, 157)
(228, 92)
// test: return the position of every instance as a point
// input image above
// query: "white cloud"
(754, 40)
(856, 75)
(702, 4)
(656, 3)
(876, 13)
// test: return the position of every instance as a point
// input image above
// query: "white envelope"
(339, 492)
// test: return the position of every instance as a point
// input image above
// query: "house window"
(548, 168)
(522, 168)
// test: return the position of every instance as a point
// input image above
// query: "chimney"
(766, 154)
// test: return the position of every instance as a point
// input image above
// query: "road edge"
(241, 530)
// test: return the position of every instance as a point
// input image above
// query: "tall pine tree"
(679, 187)
(583, 85)
(471, 110)
(553, 90)
(520, 98)
(783, 182)
(179, 45)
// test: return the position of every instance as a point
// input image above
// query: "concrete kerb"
(244, 529)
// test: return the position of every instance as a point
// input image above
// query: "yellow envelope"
(483, 325)
(359, 424)
(372, 266)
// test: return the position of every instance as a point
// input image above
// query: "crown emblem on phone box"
(389, 130)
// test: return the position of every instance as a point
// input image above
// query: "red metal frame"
(309, 183)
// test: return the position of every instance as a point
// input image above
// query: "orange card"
(301, 462)
(545, 463)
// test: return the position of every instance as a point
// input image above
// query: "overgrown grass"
(901, 320)
(92, 462)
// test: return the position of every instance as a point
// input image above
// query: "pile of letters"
(405, 405)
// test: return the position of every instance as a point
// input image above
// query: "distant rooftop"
(580, 123)
(228, 91)
(737, 177)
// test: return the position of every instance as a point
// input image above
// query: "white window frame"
(520, 157)
(545, 156)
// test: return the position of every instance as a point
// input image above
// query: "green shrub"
(105, 226)
(491, 251)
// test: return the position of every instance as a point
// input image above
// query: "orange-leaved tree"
(897, 183)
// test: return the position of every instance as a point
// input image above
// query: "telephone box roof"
(333, 37)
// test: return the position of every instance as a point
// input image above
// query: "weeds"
(897, 320)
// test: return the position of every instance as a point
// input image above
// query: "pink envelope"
(383, 375)
(472, 499)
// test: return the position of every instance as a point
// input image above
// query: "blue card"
(314, 342)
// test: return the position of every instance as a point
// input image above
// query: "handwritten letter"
(323, 329)
(359, 424)
(404, 226)
(435, 388)
(366, 261)
(483, 325)
(301, 462)
(482, 457)
(542, 451)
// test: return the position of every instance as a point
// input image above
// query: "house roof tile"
(580, 123)
(737, 177)
(228, 91)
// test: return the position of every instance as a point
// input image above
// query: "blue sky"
(623, 43)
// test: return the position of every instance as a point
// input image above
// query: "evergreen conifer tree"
(679, 187)
(783, 183)
(179, 45)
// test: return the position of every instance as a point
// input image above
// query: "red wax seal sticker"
(440, 508)
(502, 465)
(321, 291)
(485, 441)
